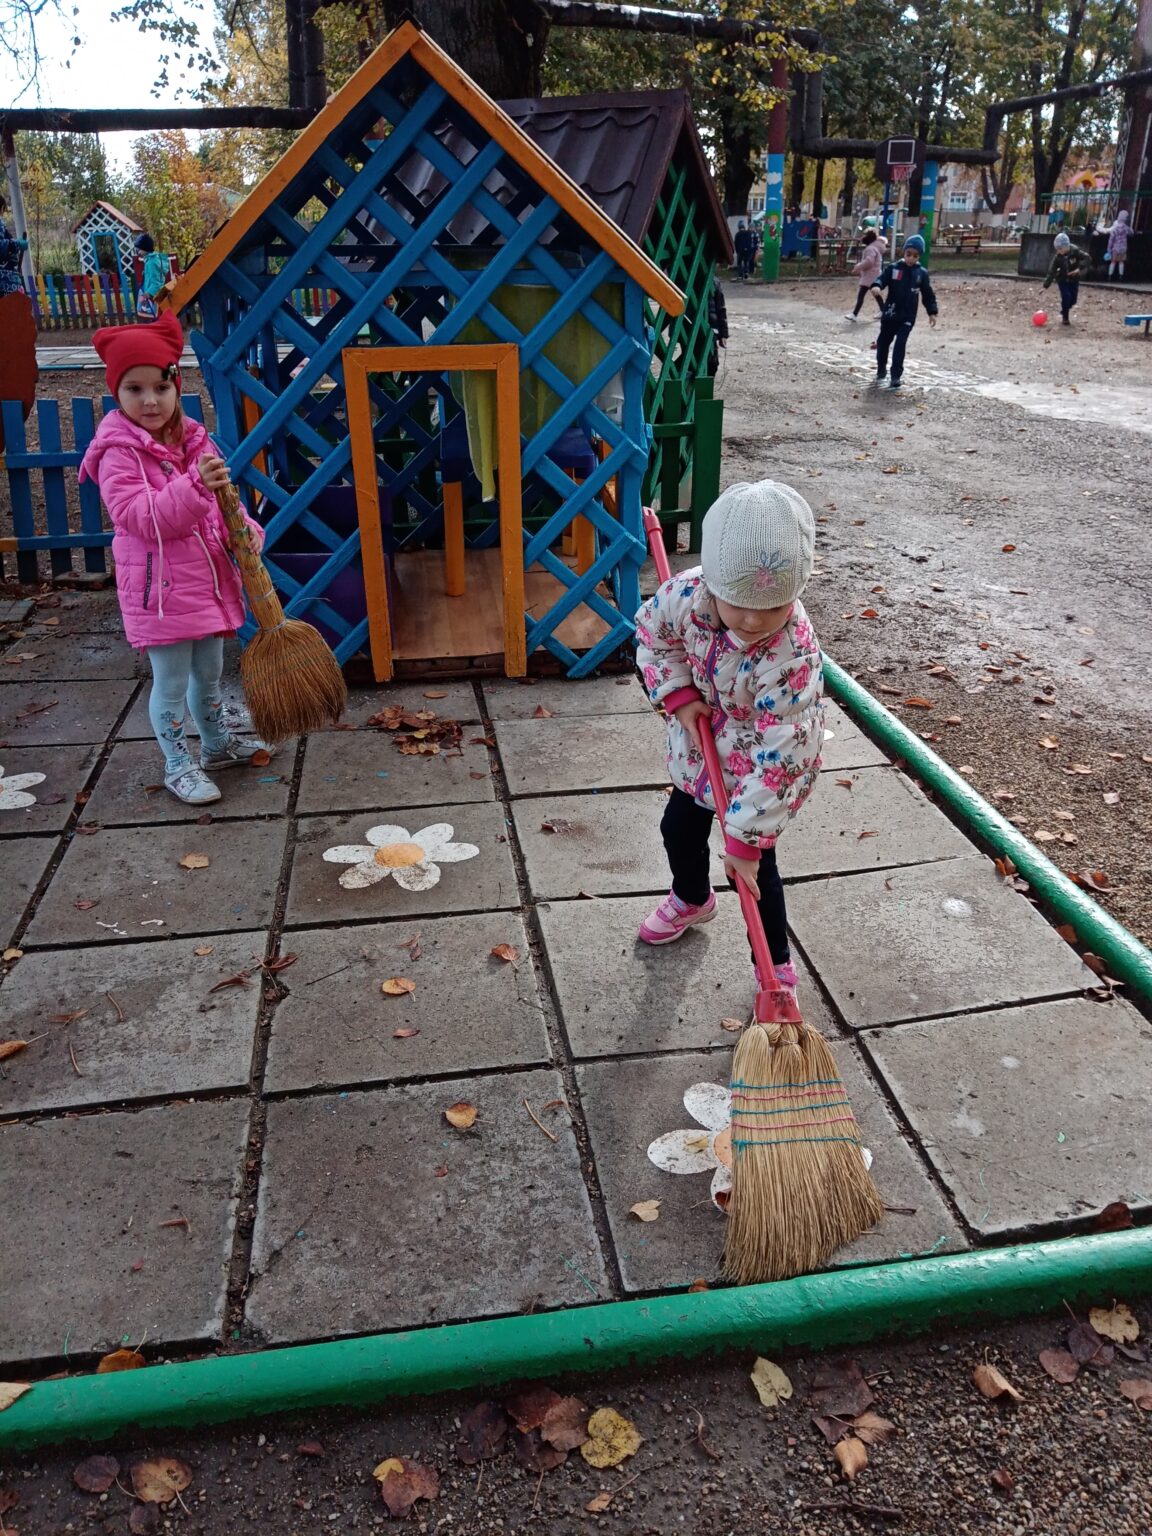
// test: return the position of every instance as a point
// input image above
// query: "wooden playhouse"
(449, 458)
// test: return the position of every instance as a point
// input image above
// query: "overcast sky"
(114, 66)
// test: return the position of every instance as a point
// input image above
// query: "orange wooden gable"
(408, 40)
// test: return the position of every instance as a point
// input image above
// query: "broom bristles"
(800, 1189)
(292, 682)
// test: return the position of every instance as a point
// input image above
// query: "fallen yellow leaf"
(772, 1386)
(611, 1439)
(195, 861)
(397, 986)
(393, 1464)
(121, 1360)
(11, 1048)
(160, 1479)
(1115, 1323)
(993, 1383)
(12, 953)
(462, 1115)
(852, 1454)
(11, 1390)
(645, 1210)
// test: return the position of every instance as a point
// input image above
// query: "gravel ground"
(1063, 1460)
(919, 495)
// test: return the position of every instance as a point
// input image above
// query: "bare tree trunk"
(739, 165)
(500, 43)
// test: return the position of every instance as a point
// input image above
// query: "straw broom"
(800, 1189)
(292, 682)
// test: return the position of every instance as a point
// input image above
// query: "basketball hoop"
(899, 173)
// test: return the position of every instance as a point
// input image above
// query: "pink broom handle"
(752, 919)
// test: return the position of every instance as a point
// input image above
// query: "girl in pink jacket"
(179, 589)
(728, 646)
(868, 268)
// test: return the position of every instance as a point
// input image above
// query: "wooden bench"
(962, 243)
(1144, 320)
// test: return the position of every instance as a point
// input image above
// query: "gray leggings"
(186, 680)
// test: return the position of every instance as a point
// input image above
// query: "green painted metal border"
(813, 1311)
(1128, 960)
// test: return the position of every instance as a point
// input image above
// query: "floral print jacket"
(767, 707)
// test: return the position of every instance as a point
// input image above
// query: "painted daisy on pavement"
(708, 1150)
(12, 790)
(413, 859)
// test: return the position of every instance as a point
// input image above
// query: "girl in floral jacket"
(730, 644)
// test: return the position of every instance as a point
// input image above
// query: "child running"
(1068, 265)
(179, 590)
(906, 282)
(1117, 253)
(729, 644)
(868, 269)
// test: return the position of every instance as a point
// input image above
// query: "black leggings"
(685, 827)
(861, 294)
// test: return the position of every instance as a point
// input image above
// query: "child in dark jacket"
(1068, 265)
(904, 284)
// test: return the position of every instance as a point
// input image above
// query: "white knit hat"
(756, 545)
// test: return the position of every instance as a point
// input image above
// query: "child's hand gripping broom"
(292, 682)
(800, 1188)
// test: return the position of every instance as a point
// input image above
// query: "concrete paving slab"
(64, 771)
(471, 1011)
(130, 790)
(587, 752)
(175, 1035)
(450, 701)
(86, 1265)
(1031, 1116)
(887, 821)
(845, 744)
(479, 884)
(601, 845)
(365, 771)
(619, 997)
(71, 658)
(22, 862)
(627, 1104)
(142, 892)
(80, 613)
(935, 939)
(518, 699)
(59, 714)
(14, 610)
(374, 1213)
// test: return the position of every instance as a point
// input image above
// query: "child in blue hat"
(904, 283)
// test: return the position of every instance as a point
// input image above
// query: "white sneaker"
(855, 319)
(192, 785)
(237, 752)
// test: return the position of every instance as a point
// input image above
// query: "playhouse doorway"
(433, 604)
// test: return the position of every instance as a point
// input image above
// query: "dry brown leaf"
(733, 1026)
(260, 758)
(611, 1439)
(1042, 836)
(11, 1390)
(1115, 1217)
(565, 1425)
(1138, 1390)
(461, 1115)
(405, 1034)
(645, 1210)
(852, 1454)
(872, 1429)
(599, 1503)
(993, 1383)
(483, 1431)
(11, 1048)
(160, 1479)
(310, 1448)
(534, 1453)
(845, 783)
(542, 712)
(12, 953)
(1007, 549)
(121, 1360)
(697, 1286)
(144, 1519)
(194, 861)
(528, 1407)
(1115, 1323)
(1003, 1480)
(772, 1385)
(397, 986)
(203, 949)
(918, 701)
(1060, 1365)
(403, 1482)
(1049, 743)
(96, 1474)
(505, 952)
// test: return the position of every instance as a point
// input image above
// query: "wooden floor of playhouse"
(429, 626)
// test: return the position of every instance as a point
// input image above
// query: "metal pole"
(774, 186)
(16, 199)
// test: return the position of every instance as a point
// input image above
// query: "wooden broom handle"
(262, 596)
(748, 906)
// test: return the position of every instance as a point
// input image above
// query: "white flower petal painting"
(412, 859)
(13, 790)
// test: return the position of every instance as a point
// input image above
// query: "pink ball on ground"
(1040, 318)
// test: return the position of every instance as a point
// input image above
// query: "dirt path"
(1011, 546)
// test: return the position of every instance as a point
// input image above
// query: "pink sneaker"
(785, 975)
(673, 917)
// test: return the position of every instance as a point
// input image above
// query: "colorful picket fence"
(74, 301)
(52, 514)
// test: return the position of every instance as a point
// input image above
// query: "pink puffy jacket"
(175, 576)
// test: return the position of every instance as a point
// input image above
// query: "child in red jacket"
(179, 589)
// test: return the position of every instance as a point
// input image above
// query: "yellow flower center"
(723, 1147)
(399, 855)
